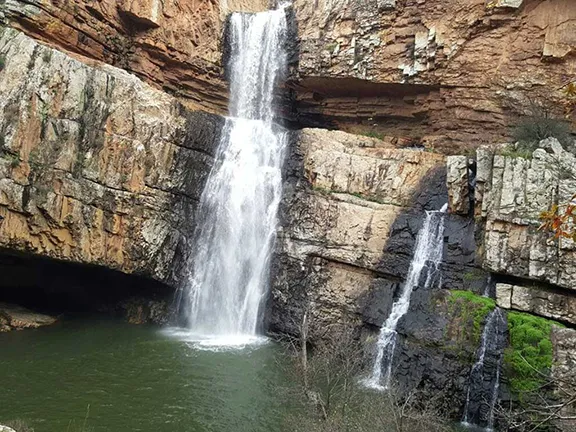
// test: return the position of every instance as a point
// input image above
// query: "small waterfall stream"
(427, 257)
(237, 213)
(482, 395)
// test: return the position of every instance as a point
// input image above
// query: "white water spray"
(237, 214)
(427, 258)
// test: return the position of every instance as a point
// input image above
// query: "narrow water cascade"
(482, 395)
(427, 258)
(238, 209)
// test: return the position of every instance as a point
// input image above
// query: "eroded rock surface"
(96, 167)
(556, 305)
(564, 373)
(512, 193)
(172, 44)
(352, 210)
(447, 74)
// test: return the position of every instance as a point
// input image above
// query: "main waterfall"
(427, 258)
(238, 208)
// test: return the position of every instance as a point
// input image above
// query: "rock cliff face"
(512, 193)
(353, 208)
(352, 211)
(96, 167)
(447, 74)
(172, 44)
(101, 167)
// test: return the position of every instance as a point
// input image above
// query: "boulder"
(13, 317)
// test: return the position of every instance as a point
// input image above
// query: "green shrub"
(528, 359)
(518, 151)
(374, 134)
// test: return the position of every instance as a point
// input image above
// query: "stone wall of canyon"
(444, 74)
(108, 131)
(96, 166)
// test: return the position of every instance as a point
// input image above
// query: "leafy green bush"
(529, 357)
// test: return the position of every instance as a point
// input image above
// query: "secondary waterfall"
(237, 213)
(427, 257)
(484, 385)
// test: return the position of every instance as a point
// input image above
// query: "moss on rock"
(528, 359)
(472, 308)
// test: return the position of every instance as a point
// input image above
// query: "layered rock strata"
(512, 192)
(352, 210)
(96, 167)
(444, 74)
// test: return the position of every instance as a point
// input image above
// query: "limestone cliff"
(172, 44)
(446, 74)
(96, 167)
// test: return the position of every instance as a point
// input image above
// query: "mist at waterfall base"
(424, 267)
(237, 215)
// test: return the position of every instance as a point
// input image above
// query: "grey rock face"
(458, 184)
(344, 201)
(556, 305)
(349, 220)
(97, 167)
(564, 371)
(511, 194)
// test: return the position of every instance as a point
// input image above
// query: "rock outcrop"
(350, 217)
(14, 317)
(559, 306)
(172, 44)
(96, 167)
(445, 74)
(512, 193)
(345, 194)
(564, 373)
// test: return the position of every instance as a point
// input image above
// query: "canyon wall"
(449, 75)
(106, 141)
(96, 166)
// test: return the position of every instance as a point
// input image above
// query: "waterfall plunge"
(238, 207)
(427, 257)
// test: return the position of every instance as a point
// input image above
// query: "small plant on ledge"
(539, 125)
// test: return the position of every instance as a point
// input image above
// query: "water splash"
(237, 213)
(482, 394)
(427, 258)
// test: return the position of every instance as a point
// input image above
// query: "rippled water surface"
(116, 377)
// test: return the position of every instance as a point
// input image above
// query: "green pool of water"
(114, 377)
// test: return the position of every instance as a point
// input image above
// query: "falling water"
(237, 213)
(483, 389)
(427, 257)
